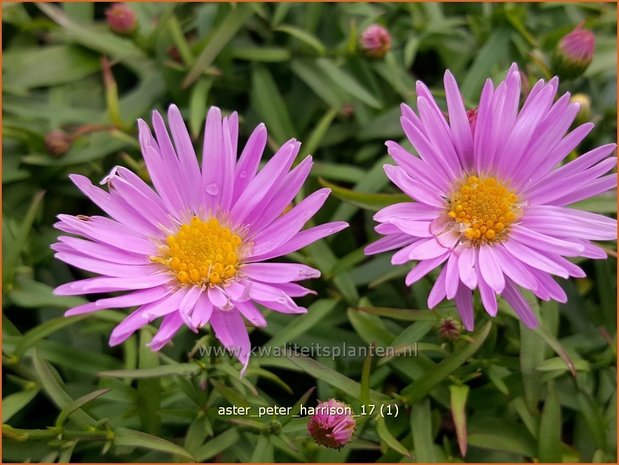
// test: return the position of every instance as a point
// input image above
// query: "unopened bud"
(574, 53)
(584, 114)
(449, 329)
(57, 142)
(376, 41)
(121, 19)
(333, 425)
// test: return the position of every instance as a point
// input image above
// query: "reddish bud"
(376, 41)
(121, 19)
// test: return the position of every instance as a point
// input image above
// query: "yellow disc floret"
(483, 208)
(201, 252)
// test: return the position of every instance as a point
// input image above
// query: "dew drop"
(243, 174)
(212, 189)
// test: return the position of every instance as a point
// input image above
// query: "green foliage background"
(545, 395)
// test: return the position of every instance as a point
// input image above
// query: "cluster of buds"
(376, 41)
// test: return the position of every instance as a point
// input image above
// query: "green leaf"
(493, 54)
(549, 438)
(421, 430)
(53, 386)
(404, 314)
(13, 403)
(389, 439)
(594, 420)
(183, 369)
(316, 313)
(216, 445)
(149, 389)
(558, 364)
(11, 253)
(463, 350)
(232, 396)
(500, 435)
(43, 330)
(335, 379)
(458, 396)
(263, 452)
(261, 54)
(28, 293)
(531, 356)
(308, 72)
(318, 133)
(226, 30)
(364, 200)
(69, 409)
(104, 42)
(197, 106)
(304, 37)
(347, 83)
(270, 104)
(62, 64)
(132, 438)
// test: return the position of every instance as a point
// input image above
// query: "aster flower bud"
(574, 53)
(333, 424)
(57, 142)
(376, 41)
(584, 114)
(121, 19)
(449, 329)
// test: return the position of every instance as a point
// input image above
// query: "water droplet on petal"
(212, 189)
(243, 174)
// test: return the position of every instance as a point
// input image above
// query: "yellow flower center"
(201, 252)
(483, 208)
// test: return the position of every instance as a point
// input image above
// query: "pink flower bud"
(57, 142)
(121, 19)
(376, 41)
(472, 116)
(449, 329)
(333, 424)
(574, 52)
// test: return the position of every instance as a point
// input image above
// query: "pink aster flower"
(490, 206)
(376, 41)
(333, 425)
(191, 251)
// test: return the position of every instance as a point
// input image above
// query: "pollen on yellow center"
(201, 252)
(484, 208)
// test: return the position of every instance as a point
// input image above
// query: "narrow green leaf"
(458, 396)
(404, 314)
(53, 386)
(13, 403)
(227, 29)
(69, 409)
(316, 313)
(421, 430)
(28, 293)
(368, 201)
(318, 133)
(11, 253)
(463, 350)
(149, 389)
(216, 445)
(263, 452)
(232, 396)
(270, 104)
(261, 54)
(347, 82)
(155, 372)
(197, 106)
(43, 330)
(304, 37)
(335, 379)
(366, 371)
(389, 439)
(593, 418)
(308, 72)
(549, 438)
(132, 438)
(531, 356)
(558, 364)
